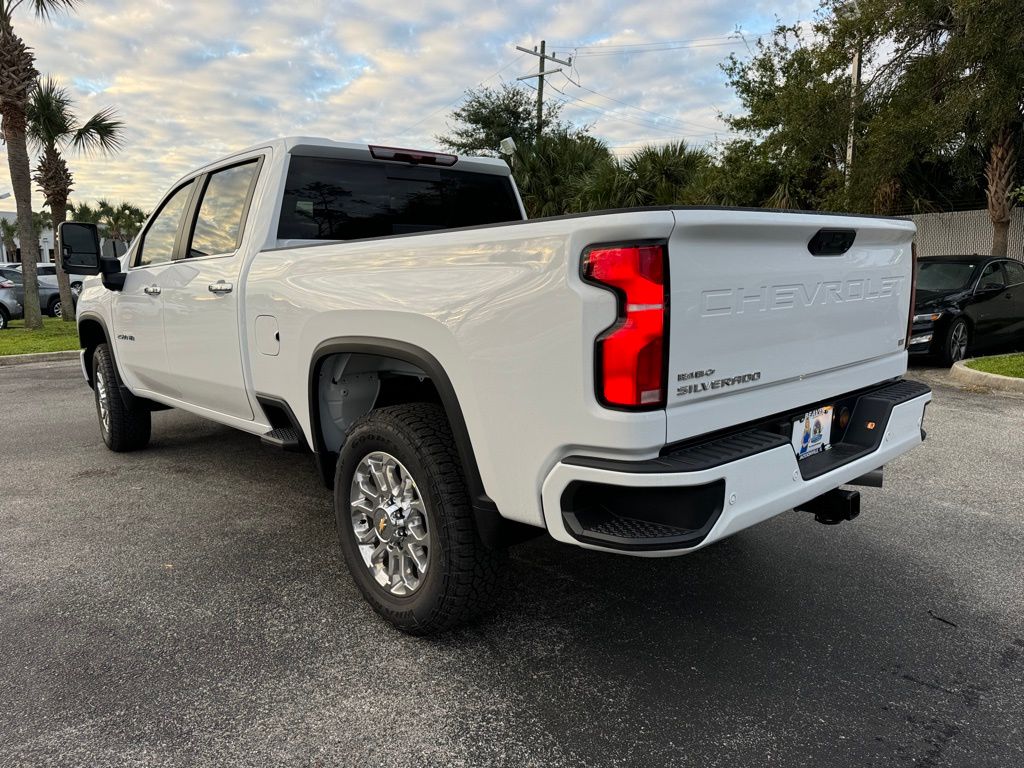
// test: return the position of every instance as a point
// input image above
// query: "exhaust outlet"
(833, 507)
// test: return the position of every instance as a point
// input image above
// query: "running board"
(284, 439)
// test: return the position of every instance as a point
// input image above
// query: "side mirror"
(79, 248)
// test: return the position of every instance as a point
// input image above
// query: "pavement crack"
(970, 696)
(939, 618)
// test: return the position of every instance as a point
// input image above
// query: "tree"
(120, 222)
(54, 128)
(670, 174)
(489, 115)
(796, 101)
(551, 172)
(17, 78)
(8, 232)
(960, 63)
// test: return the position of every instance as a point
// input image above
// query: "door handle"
(151, 290)
(221, 287)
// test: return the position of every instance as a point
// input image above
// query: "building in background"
(46, 242)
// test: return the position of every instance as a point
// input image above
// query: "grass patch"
(55, 336)
(1004, 365)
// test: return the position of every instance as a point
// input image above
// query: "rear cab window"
(340, 199)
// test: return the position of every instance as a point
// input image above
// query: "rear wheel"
(958, 336)
(125, 420)
(54, 309)
(5, 319)
(405, 521)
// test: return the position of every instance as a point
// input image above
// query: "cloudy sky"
(196, 80)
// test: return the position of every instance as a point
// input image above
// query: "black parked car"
(967, 304)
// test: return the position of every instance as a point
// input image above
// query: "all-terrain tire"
(461, 579)
(125, 420)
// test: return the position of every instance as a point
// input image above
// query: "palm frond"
(49, 113)
(103, 131)
(43, 9)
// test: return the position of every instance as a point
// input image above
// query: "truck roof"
(319, 146)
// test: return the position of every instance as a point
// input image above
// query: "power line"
(682, 123)
(649, 124)
(583, 46)
(659, 50)
(456, 101)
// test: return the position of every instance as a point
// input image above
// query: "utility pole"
(850, 11)
(855, 72)
(540, 75)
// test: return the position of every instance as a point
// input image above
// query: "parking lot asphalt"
(187, 605)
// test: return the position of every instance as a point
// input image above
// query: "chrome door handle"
(151, 290)
(221, 287)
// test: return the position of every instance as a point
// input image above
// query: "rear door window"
(336, 199)
(221, 217)
(1014, 273)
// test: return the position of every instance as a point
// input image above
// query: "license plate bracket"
(812, 433)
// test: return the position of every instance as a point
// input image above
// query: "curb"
(968, 376)
(39, 357)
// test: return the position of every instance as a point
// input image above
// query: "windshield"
(944, 276)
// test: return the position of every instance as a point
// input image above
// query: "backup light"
(631, 364)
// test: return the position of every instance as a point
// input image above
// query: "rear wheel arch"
(417, 363)
(494, 530)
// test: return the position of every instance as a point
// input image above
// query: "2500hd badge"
(707, 386)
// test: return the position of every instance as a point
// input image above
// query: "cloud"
(194, 81)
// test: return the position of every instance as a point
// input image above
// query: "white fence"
(965, 233)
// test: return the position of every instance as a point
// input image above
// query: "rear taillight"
(631, 354)
(913, 291)
(6, 284)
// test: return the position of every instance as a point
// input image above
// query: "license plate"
(813, 433)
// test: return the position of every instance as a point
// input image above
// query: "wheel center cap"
(384, 524)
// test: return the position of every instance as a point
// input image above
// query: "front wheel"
(954, 348)
(125, 421)
(406, 525)
(55, 308)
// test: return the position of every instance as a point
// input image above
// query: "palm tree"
(17, 79)
(549, 171)
(9, 231)
(121, 222)
(672, 174)
(85, 213)
(54, 128)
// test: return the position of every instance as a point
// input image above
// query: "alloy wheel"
(103, 400)
(958, 342)
(389, 519)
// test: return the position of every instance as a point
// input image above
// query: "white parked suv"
(644, 381)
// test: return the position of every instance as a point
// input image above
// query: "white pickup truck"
(644, 381)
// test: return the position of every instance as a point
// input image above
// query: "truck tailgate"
(759, 325)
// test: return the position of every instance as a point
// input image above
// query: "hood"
(924, 300)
